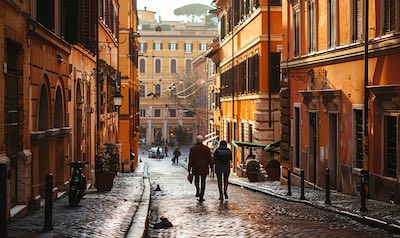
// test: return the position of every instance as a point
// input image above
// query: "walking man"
(177, 153)
(199, 162)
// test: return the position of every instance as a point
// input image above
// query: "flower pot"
(253, 176)
(273, 174)
(104, 182)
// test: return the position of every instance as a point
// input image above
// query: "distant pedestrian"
(199, 162)
(158, 155)
(222, 159)
(176, 153)
(166, 150)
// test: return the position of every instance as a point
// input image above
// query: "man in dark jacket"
(199, 162)
(222, 159)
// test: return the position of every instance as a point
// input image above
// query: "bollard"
(289, 183)
(123, 166)
(302, 197)
(362, 193)
(327, 187)
(3, 200)
(48, 207)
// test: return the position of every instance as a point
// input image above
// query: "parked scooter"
(77, 185)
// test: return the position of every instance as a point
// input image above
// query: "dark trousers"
(197, 179)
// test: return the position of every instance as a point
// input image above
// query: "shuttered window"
(311, 23)
(275, 62)
(390, 15)
(358, 19)
(296, 30)
(45, 13)
(332, 23)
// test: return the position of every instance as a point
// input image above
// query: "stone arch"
(43, 111)
(59, 110)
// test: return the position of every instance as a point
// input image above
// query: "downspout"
(366, 92)
(269, 65)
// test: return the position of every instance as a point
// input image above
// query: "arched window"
(188, 64)
(157, 90)
(173, 66)
(158, 66)
(142, 66)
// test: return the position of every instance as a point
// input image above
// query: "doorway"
(333, 149)
(312, 138)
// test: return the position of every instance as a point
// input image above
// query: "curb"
(140, 221)
(393, 228)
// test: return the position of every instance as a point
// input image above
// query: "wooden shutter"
(161, 46)
(390, 7)
(275, 72)
(257, 73)
(359, 19)
(71, 20)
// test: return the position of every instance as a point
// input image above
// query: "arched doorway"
(59, 123)
(43, 125)
(78, 122)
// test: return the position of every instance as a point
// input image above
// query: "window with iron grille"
(358, 136)
(391, 145)
(391, 13)
(357, 22)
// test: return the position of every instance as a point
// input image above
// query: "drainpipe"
(366, 92)
(97, 95)
(269, 65)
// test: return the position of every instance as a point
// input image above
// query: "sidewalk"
(112, 214)
(380, 214)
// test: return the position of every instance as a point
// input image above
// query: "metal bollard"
(302, 197)
(362, 193)
(48, 207)
(123, 166)
(3, 200)
(289, 183)
(327, 187)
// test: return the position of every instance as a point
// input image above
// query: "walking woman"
(222, 158)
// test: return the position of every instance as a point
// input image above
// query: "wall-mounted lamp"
(60, 58)
(117, 100)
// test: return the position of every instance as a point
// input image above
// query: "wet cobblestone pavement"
(98, 214)
(245, 214)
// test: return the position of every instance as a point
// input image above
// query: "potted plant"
(273, 170)
(105, 167)
(252, 168)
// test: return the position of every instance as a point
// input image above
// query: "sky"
(166, 8)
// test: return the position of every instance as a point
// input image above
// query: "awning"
(209, 140)
(266, 147)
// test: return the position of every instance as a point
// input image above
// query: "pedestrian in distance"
(166, 150)
(158, 155)
(199, 162)
(222, 159)
(176, 153)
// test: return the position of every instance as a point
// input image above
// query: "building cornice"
(377, 47)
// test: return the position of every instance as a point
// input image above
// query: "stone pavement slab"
(98, 214)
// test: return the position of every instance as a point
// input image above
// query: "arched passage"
(59, 123)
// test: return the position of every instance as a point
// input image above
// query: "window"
(296, 30)
(157, 46)
(45, 13)
(157, 90)
(203, 46)
(173, 46)
(142, 112)
(173, 66)
(188, 47)
(172, 112)
(391, 15)
(222, 26)
(391, 145)
(142, 47)
(157, 68)
(275, 72)
(357, 22)
(142, 89)
(311, 25)
(297, 137)
(142, 66)
(332, 23)
(358, 136)
(188, 65)
(157, 113)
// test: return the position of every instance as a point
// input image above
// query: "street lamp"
(118, 100)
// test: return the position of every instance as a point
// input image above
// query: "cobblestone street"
(98, 214)
(245, 214)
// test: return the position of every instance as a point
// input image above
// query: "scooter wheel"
(74, 198)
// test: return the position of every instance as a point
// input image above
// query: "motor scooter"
(77, 185)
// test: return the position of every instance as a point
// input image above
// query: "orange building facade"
(128, 59)
(323, 74)
(247, 91)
